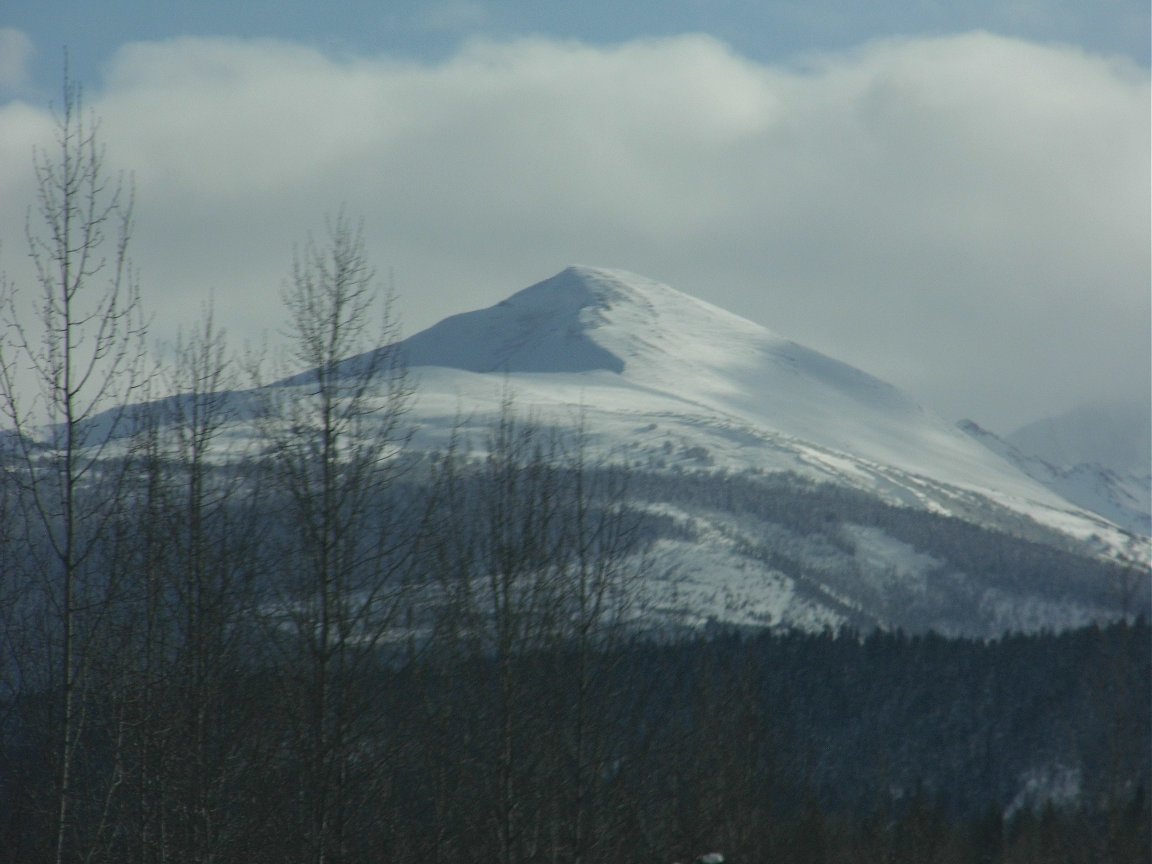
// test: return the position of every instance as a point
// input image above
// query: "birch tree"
(334, 434)
(71, 358)
(538, 559)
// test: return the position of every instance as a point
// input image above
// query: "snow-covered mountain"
(650, 366)
(788, 488)
(670, 384)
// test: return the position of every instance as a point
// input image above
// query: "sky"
(953, 197)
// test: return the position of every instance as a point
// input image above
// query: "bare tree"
(334, 434)
(63, 382)
(207, 526)
(604, 567)
(193, 555)
(537, 557)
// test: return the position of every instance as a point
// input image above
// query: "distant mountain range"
(1096, 457)
(1115, 436)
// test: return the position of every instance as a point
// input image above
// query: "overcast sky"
(953, 197)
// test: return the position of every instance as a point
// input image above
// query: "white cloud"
(966, 216)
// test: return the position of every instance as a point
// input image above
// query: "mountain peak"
(585, 319)
(603, 288)
(543, 328)
(580, 295)
(593, 319)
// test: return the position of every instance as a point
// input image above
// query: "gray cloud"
(966, 216)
